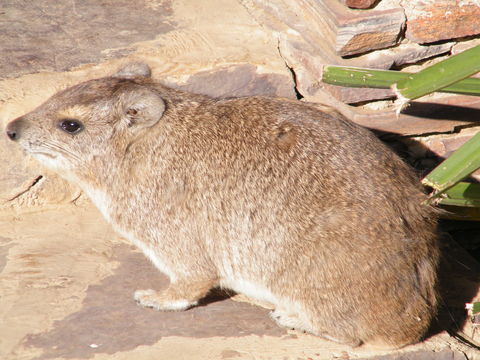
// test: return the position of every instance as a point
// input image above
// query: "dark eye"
(71, 126)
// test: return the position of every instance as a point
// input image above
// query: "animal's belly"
(250, 289)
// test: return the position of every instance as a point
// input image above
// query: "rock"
(243, 80)
(445, 144)
(329, 26)
(369, 30)
(411, 53)
(307, 42)
(443, 115)
(352, 95)
(446, 354)
(436, 20)
(307, 65)
(51, 36)
(359, 4)
(403, 54)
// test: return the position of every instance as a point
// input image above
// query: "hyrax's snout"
(13, 129)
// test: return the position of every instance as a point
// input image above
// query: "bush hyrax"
(277, 199)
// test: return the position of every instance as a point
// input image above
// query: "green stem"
(459, 165)
(440, 75)
(462, 194)
(384, 79)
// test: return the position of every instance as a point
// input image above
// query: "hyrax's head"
(81, 122)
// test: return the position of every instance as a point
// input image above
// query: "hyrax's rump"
(269, 197)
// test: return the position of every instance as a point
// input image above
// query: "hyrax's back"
(323, 214)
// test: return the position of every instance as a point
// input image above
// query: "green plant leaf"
(476, 308)
(459, 165)
(462, 194)
(440, 75)
(384, 79)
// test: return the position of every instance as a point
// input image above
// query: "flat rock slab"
(436, 20)
(422, 355)
(56, 36)
(429, 116)
(359, 4)
(110, 321)
(67, 282)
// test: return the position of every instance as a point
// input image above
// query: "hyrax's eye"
(70, 126)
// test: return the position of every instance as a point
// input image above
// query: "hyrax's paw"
(287, 319)
(161, 301)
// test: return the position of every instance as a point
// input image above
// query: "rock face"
(359, 4)
(53, 37)
(317, 33)
(436, 20)
(329, 26)
(243, 80)
(379, 30)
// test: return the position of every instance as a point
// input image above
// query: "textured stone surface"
(441, 146)
(422, 355)
(411, 53)
(368, 30)
(110, 318)
(330, 26)
(444, 115)
(435, 20)
(236, 80)
(465, 45)
(359, 4)
(53, 36)
(310, 33)
(355, 95)
(407, 53)
(445, 144)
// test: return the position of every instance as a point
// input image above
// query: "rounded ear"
(132, 70)
(143, 108)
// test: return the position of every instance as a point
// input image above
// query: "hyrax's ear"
(142, 107)
(134, 69)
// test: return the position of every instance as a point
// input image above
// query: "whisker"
(57, 147)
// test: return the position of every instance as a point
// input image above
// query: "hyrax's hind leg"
(180, 295)
(288, 318)
(297, 319)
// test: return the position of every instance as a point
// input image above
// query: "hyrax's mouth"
(38, 152)
(41, 154)
(46, 158)
(38, 149)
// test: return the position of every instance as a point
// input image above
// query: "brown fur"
(271, 197)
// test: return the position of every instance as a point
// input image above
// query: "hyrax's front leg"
(180, 295)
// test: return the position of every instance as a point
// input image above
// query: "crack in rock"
(33, 183)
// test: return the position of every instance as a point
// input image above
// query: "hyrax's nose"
(11, 134)
(12, 131)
